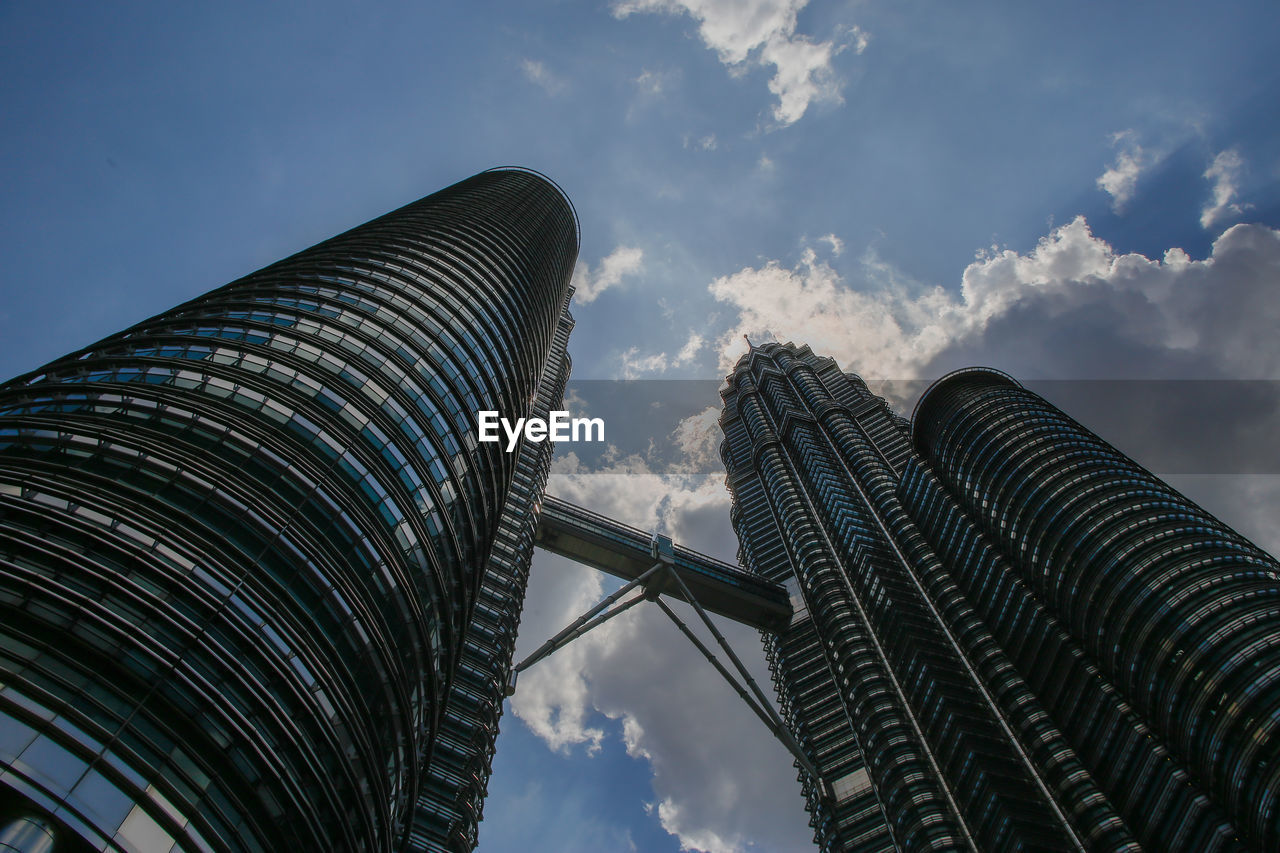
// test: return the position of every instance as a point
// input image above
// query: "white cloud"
(886, 332)
(836, 244)
(1218, 313)
(622, 261)
(1225, 172)
(762, 32)
(552, 695)
(651, 86)
(538, 74)
(705, 143)
(1075, 308)
(628, 489)
(698, 438)
(732, 28)
(635, 365)
(1121, 177)
(690, 350)
(632, 734)
(674, 821)
(653, 83)
(803, 75)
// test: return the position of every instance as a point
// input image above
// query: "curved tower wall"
(1180, 613)
(451, 802)
(241, 542)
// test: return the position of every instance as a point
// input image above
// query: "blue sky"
(1065, 191)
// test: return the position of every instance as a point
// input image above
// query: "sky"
(1086, 195)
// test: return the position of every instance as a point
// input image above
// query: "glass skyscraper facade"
(257, 576)
(452, 800)
(1006, 635)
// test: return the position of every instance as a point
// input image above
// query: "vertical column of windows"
(1149, 787)
(451, 805)
(912, 804)
(929, 666)
(1174, 612)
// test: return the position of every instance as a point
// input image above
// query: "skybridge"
(626, 552)
(653, 566)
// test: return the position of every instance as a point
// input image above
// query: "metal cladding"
(1178, 612)
(451, 802)
(244, 543)
(1007, 635)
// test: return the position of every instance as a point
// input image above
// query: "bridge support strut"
(658, 576)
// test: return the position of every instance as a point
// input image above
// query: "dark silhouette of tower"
(252, 555)
(1007, 635)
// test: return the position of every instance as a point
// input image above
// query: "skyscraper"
(251, 551)
(1007, 634)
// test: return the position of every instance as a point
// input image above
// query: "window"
(851, 785)
(799, 610)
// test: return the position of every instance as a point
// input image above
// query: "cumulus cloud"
(1080, 323)
(708, 754)
(668, 498)
(1171, 316)
(1200, 331)
(1121, 177)
(552, 698)
(1075, 308)
(690, 350)
(887, 332)
(763, 32)
(1225, 172)
(537, 73)
(674, 821)
(803, 75)
(621, 262)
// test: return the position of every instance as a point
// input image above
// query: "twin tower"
(260, 584)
